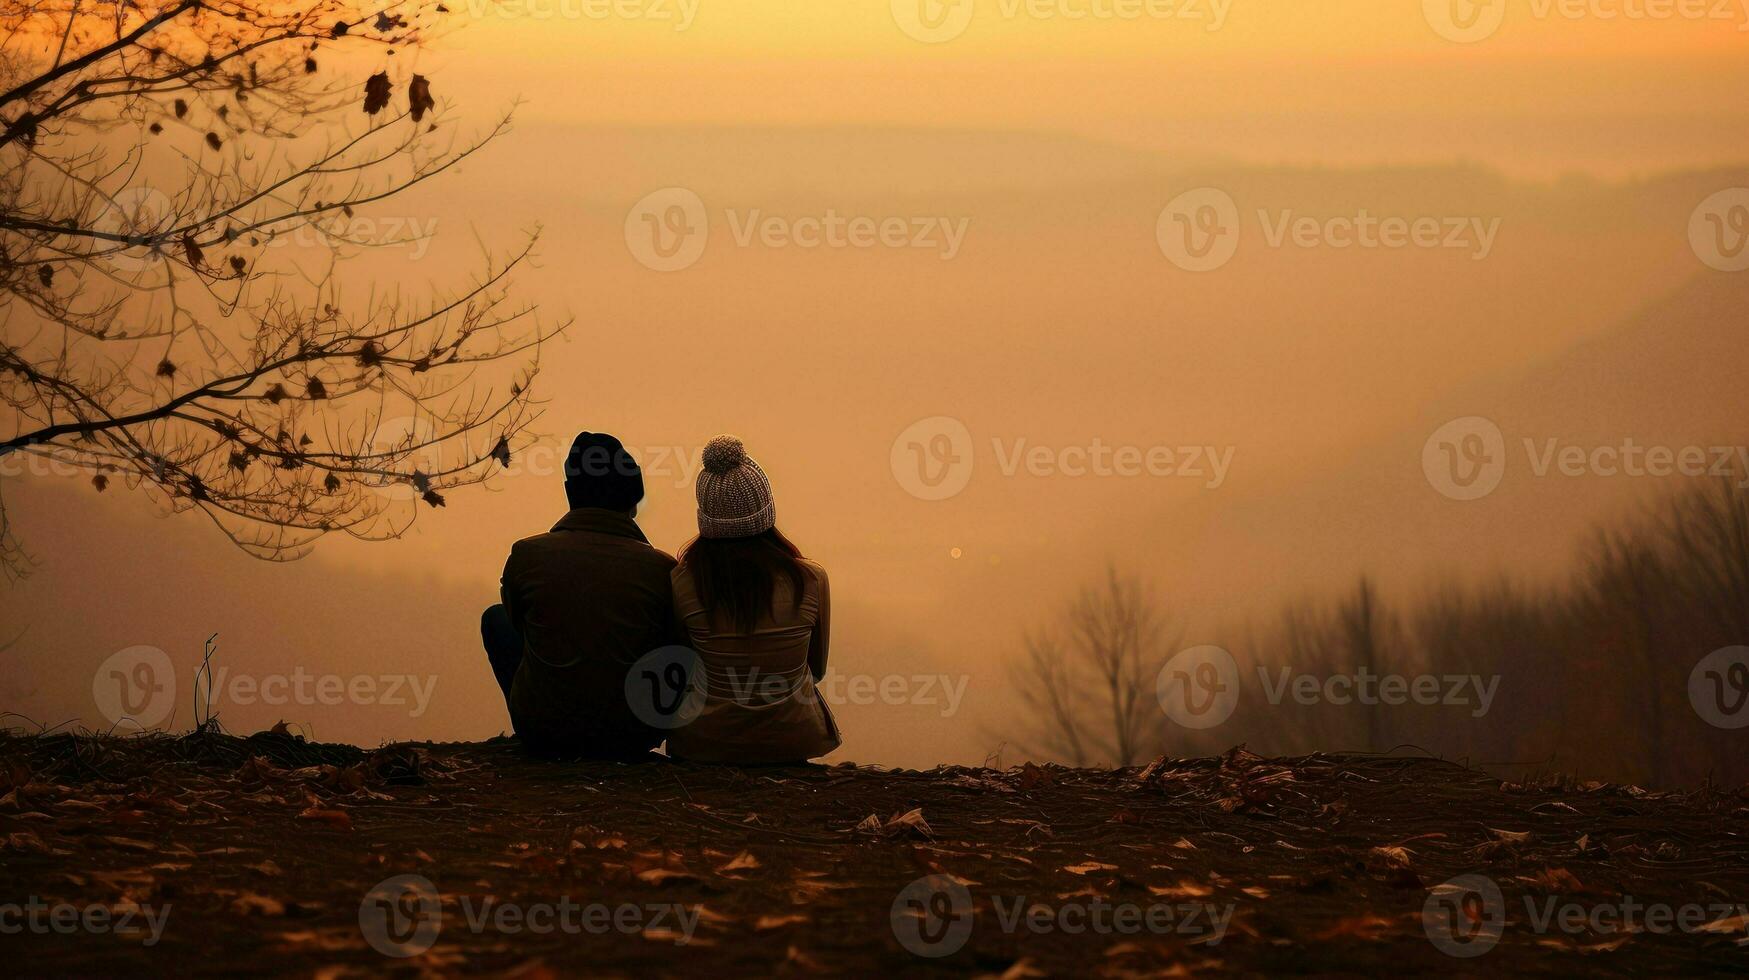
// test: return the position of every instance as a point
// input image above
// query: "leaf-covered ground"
(270, 854)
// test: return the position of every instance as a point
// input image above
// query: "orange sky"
(1059, 322)
(1345, 81)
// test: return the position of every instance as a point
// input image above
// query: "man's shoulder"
(571, 542)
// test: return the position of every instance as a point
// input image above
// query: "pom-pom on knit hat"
(734, 495)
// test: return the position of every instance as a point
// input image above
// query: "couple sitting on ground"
(605, 646)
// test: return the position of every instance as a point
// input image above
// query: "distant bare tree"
(1708, 529)
(1089, 680)
(1364, 627)
(150, 153)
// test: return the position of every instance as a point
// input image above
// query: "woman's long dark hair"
(737, 577)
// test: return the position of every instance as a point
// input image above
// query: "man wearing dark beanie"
(581, 603)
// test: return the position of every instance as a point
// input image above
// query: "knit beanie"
(734, 496)
(600, 473)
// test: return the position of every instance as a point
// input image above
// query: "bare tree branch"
(154, 157)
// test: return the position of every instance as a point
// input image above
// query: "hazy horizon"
(1567, 165)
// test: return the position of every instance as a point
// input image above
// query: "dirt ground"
(210, 854)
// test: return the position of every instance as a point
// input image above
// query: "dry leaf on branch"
(376, 92)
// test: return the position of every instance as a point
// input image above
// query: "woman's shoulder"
(680, 577)
(815, 572)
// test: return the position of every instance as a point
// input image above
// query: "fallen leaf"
(1733, 923)
(911, 820)
(1367, 927)
(1183, 889)
(250, 903)
(339, 819)
(741, 861)
(659, 876)
(129, 844)
(1393, 856)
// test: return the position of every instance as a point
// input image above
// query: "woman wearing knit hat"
(758, 614)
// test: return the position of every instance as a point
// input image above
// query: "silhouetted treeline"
(1589, 676)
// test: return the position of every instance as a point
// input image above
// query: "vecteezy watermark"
(1466, 916)
(375, 232)
(307, 689)
(933, 459)
(1471, 21)
(1718, 687)
(141, 219)
(403, 916)
(1465, 459)
(1200, 230)
(1364, 687)
(1199, 688)
(135, 687)
(666, 688)
(939, 21)
(43, 918)
(680, 13)
(667, 230)
(934, 916)
(1718, 230)
(669, 687)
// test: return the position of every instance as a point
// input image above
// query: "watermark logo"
(666, 688)
(938, 21)
(667, 229)
(401, 916)
(143, 218)
(1718, 688)
(1362, 686)
(932, 459)
(125, 918)
(136, 686)
(680, 13)
(933, 21)
(337, 229)
(1199, 687)
(1719, 230)
(759, 688)
(932, 916)
(402, 444)
(305, 688)
(1471, 21)
(1198, 231)
(1465, 21)
(1465, 459)
(1464, 916)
